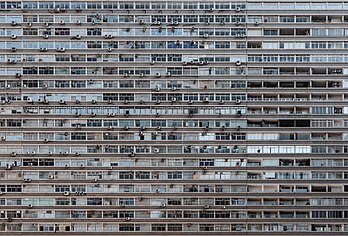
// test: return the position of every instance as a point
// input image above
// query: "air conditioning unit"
(29, 100)
(46, 24)
(237, 9)
(3, 138)
(238, 23)
(46, 140)
(13, 36)
(238, 63)
(132, 154)
(62, 22)
(78, 22)
(257, 23)
(29, 24)
(158, 75)
(156, 150)
(157, 89)
(111, 114)
(66, 193)
(57, 10)
(141, 74)
(141, 22)
(174, 99)
(60, 49)
(43, 49)
(174, 23)
(127, 219)
(205, 36)
(238, 101)
(51, 176)
(109, 49)
(78, 37)
(18, 75)
(13, 23)
(205, 99)
(338, 110)
(168, 74)
(77, 102)
(62, 102)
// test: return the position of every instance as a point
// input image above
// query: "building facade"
(174, 117)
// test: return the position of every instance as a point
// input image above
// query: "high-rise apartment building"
(174, 117)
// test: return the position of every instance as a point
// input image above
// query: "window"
(268, 32)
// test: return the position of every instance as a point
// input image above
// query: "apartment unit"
(174, 117)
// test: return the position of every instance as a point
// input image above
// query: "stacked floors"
(173, 117)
